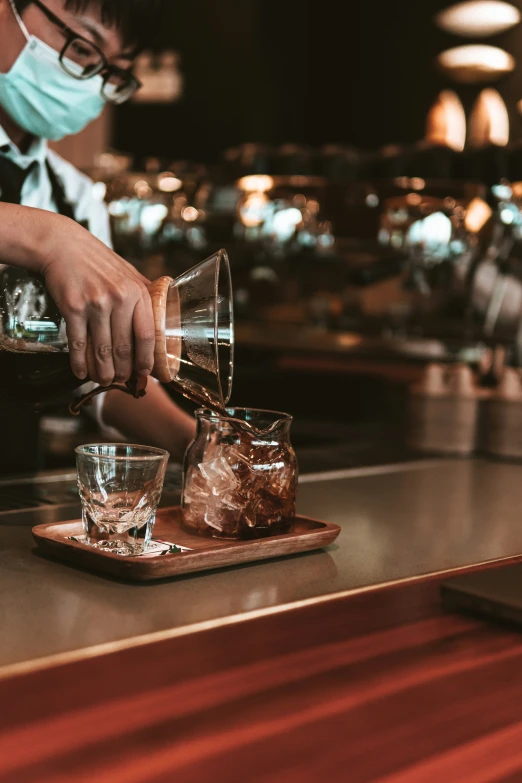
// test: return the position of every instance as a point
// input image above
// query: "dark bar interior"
(260, 391)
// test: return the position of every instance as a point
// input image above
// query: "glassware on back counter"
(194, 348)
(240, 475)
(155, 211)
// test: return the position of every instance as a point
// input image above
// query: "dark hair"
(138, 21)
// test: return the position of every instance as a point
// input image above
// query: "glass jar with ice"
(240, 475)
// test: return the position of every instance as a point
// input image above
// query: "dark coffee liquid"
(199, 396)
(36, 380)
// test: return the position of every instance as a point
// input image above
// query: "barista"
(61, 62)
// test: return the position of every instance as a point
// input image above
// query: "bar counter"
(338, 665)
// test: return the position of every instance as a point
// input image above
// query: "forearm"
(24, 235)
(154, 420)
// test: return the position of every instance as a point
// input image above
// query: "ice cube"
(223, 520)
(214, 518)
(239, 463)
(196, 487)
(233, 501)
(214, 448)
(219, 474)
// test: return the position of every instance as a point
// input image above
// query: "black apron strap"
(63, 205)
(12, 179)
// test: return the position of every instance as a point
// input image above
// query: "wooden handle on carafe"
(158, 293)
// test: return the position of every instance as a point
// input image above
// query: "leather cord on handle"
(136, 386)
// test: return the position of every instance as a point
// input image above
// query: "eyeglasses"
(82, 60)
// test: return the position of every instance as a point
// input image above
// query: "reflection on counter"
(76, 610)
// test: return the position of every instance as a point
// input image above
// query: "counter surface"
(379, 687)
(397, 522)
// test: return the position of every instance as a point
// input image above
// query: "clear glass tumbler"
(120, 487)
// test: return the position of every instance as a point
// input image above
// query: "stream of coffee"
(208, 400)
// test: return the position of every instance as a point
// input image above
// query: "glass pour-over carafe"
(194, 347)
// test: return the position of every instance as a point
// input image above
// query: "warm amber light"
(168, 182)
(475, 63)
(142, 189)
(256, 183)
(417, 183)
(252, 211)
(478, 18)
(489, 121)
(477, 215)
(349, 340)
(446, 123)
(413, 199)
(190, 214)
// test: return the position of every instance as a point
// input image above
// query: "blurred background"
(361, 164)
(249, 71)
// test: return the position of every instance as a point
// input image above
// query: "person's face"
(87, 24)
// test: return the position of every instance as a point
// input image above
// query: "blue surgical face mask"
(42, 98)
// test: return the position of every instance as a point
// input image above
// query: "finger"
(144, 336)
(91, 359)
(77, 339)
(100, 332)
(122, 343)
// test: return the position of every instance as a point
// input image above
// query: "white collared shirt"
(37, 190)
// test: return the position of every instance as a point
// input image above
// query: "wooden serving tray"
(204, 554)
